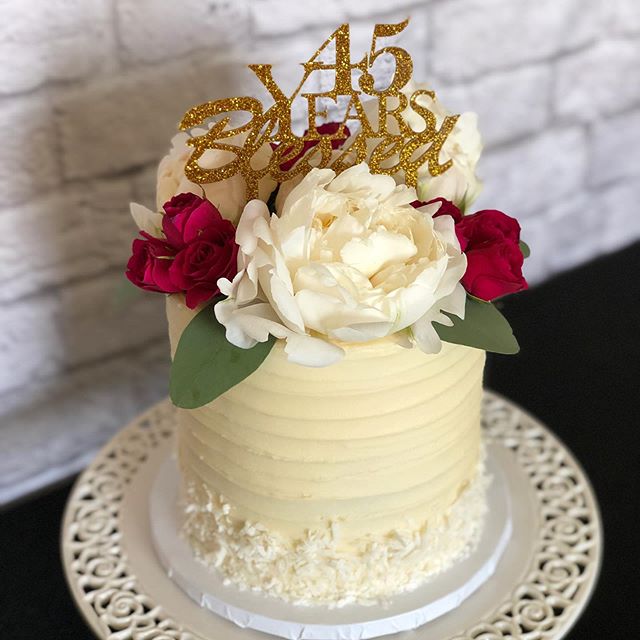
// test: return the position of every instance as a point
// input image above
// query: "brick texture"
(599, 81)
(475, 36)
(510, 104)
(151, 30)
(81, 409)
(29, 157)
(623, 17)
(123, 122)
(52, 40)
(525, 178)
(90, 94)
(615, 149)
(67, 234)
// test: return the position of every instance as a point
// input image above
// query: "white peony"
(348, 260)
(228, 195)
(463, 147)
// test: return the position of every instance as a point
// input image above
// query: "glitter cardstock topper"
(388, 144)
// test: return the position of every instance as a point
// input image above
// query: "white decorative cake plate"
(540, 585)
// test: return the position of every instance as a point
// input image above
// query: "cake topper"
(403, 149)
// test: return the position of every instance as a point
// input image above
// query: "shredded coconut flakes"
(313, 570)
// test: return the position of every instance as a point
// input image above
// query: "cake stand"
(539, 589)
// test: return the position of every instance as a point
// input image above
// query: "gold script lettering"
(388, 143)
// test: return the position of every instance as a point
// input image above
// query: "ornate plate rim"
(106, 594)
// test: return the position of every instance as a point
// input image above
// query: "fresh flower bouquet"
(329, 254)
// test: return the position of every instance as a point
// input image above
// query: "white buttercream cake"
(330, 302)
(341, 484)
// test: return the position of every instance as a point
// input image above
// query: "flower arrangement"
(326, 252)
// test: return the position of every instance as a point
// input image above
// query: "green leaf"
(524, 247)
(206, 364)
(483, 327)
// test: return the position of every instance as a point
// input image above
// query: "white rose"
(228, 195)
(348, 260)
(459, 183)
(463, 147)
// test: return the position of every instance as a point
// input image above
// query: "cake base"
(539, 589)
(247, 609)
(382, 567)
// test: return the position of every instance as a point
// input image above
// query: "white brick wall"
(90, 93)
(479, 36)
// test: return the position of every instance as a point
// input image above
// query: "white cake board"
(253, 610)
(539, 589)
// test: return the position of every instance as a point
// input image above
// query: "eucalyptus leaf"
(206, 364)
(483, 327)
(524, 247)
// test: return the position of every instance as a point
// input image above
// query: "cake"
(329, 314)
(333, 484)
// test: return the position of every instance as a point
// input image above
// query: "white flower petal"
(403, 339)
(402, 195)
(245, 233)
(362, 332)
(296, 208)
(328, 314)
(248, 325)
(348, 259)
(246, 287)
(281, 296)
(228, 287)
(458, 184)
(425, 335)
(312, 352)
(455, 268)
(445, 227)
(463, 146)
(377, 250)
(430, 209)
(412, 303)
(228, 195)
(147, 220)
(358, 180)
(225, 311)
(455, 302)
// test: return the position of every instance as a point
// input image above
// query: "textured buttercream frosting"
(343, 475)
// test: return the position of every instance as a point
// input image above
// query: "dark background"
(578, 372)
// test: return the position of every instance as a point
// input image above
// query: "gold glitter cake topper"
(384, 151)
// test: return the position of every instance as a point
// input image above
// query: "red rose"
(148, 267)
(491, 241)
(186, 216)
(198, 266)
(326, 129)
(199, 249)
(206, 246)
